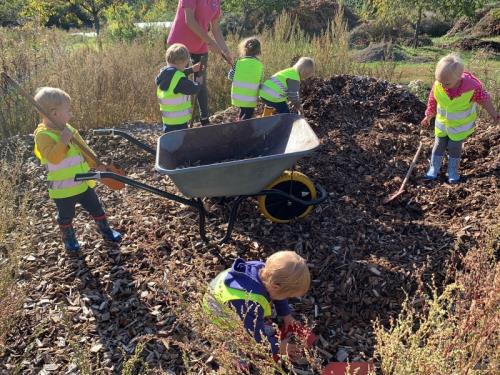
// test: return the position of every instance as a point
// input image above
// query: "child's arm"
(231, 73)
(488, 106)
(483, 98)
(293, 93)
(54, 152)
(187, 87)
(430, 111)
(252, 315)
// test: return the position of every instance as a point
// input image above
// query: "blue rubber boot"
(434, 168)
(69, 238)
(107, 233)
(453, 176)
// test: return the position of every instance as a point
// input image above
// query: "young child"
(174, 88)
(246, 75)
(452, 101)
(285, 85)
(63, 160)
(250, 288)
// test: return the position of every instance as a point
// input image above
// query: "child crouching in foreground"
(251, 288)
(452, 101)
(246, 75)
(63, 161)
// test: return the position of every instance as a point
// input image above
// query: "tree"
(95, 8)
(391, 11)
(10, 11)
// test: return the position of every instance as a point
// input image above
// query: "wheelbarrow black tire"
(278, 209)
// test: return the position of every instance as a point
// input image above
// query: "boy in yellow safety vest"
(452, 101)
(251, 288)
(284, 86)
(174, 89)
(246, 74)
(63, 161)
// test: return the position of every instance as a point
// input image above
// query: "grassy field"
(115, 84)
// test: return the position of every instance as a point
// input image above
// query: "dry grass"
(457, 331)
(14, 239)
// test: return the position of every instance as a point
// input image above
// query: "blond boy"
(251, 288)
(63, 161)
(452, 101)
(284, 86)
(174, 88)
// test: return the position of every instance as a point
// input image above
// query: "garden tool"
(112, 184)
(268, 111)
(408, 174)
(194, 98)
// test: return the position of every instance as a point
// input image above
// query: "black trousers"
(89, 201)
(246, 113)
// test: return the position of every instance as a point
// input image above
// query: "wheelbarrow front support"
(198, 204)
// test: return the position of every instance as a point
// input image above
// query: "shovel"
(407, 177)
(112, 184)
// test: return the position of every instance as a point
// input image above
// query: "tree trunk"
(417, 28)
(97, 23)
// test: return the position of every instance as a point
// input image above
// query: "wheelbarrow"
(245, 159)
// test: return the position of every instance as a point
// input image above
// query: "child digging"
(63, 161)
(174, 88)
(246, 75)
(452, 101)
(250, 288)
(285, 86)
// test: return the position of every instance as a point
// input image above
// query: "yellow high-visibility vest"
(456, 117)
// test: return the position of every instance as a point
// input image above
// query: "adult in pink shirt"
(193, 21)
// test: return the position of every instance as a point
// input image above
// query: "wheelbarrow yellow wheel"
(282, 210)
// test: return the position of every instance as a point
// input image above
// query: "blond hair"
(305, 64)
(451, 64)
(249, 47)
(288, 270)
(51, 98)
(177, 53)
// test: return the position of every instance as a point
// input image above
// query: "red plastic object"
(302, 333)
(355, 368)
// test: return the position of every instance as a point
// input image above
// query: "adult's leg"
(203, 93)
(440, 144)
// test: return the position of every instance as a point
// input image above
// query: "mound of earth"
(363, 255)
(488, 24)
(471, 44)
(381, 52)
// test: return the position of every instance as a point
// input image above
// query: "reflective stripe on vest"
(246, 82)
(215, 301)
(455, 118)
(275, 88)
(61, 176)
(175, 108)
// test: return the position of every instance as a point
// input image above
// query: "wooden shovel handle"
(42, 110)
(412, 166)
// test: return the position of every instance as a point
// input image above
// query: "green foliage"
(10, 11)
(156, 10)
(245, 6)
(121, 23)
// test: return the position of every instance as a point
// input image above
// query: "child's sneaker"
(434, 168)
(107, 233)
(453, 176)
(69, 238)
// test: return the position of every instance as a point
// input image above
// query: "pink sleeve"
(480, 96)
(190, 4)
(431, 104)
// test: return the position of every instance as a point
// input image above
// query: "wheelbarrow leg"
(232, 219)
(201, 219)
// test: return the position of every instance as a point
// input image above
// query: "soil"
(364, 255)
(471, 44)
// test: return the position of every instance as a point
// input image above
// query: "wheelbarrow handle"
(134, 183)
(120, 133)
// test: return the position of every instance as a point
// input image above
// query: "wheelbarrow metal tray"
(239, 158)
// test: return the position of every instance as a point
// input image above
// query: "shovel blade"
(346, 368)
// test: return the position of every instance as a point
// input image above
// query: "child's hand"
(288, 320)
(426, 121)
(294, 352)
(196, 67)
(66, 135)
